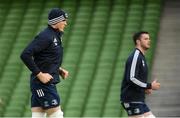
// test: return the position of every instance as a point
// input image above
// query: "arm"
(28, 59)
(27, 56)
(134, 70)
(133, 77)
(63, 73)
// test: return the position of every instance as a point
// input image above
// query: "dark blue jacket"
(44, 53)
(135, 78)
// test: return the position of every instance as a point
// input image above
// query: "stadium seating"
(97, 42)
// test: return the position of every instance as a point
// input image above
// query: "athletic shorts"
(135, 108)
(44, 95)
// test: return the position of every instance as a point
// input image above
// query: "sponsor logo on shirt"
(55, 42)
(143, 62)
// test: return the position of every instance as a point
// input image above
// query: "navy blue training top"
(135, 78)
(44, 53)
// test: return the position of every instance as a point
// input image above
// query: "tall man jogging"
(134, 84)
(43, 56)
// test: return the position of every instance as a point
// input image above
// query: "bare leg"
(55, 112)
(136, 116)
(38, 112)
(149, 115)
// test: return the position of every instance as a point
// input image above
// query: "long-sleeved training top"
(44, 53)
(135, 78)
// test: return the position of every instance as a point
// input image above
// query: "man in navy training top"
(43, 56)
(134, 84)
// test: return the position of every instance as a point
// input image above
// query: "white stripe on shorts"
(40, 92)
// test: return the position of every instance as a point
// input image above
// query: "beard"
(145, 47)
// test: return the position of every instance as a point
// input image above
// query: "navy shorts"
(133, 108)
(44, 95)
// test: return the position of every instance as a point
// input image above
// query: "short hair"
(137, 35)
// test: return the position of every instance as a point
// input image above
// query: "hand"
(64, 73)
(44, 77)
(148, 91)
(155, 85)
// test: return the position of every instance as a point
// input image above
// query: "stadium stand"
(97, 41)
(165, 102)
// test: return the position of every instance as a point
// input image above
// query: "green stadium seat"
(97, 42)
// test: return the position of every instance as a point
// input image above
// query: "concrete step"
(165, 102)
(166, 111)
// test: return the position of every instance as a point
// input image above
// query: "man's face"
(61, 25)
(145, 41)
